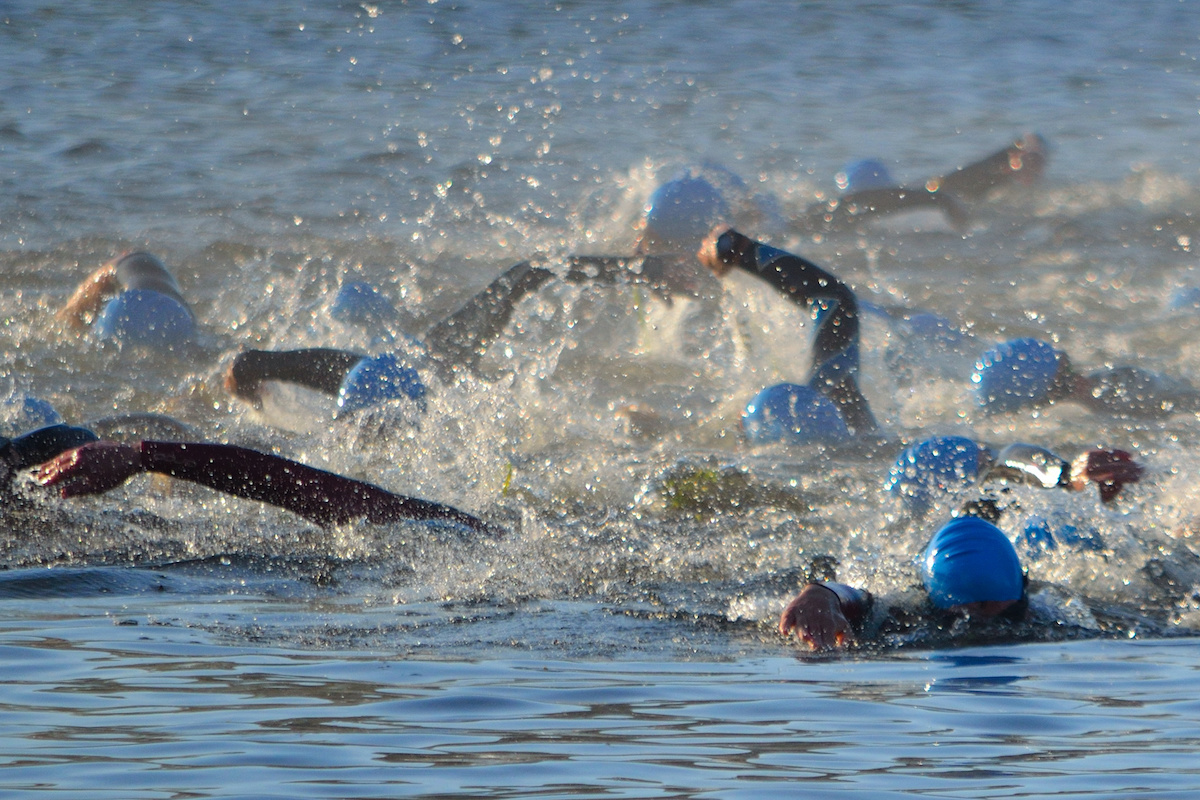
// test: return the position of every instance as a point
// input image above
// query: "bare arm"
(322, 497)
(90, 295)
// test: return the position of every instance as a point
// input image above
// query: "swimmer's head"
(142, 270)
(867, 173)
(146, 317)
(377, 380)
(793, 414)
(970, 561)
(23, 412)
(1018, 374)
(680, 213)
(932, 467)
(1185, 298)
(361, 304)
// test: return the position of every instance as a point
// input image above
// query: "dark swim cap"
(794, 414)
(934, 466)
(146, 317)
(377, 380)
(970, 560)
(1015, 374)
(359, 303)
(681, 212)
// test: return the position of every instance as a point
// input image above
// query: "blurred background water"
(619, 641)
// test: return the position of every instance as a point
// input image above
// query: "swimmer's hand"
(708, 254)
(1108, 469)
(817, 618)
(91, 469)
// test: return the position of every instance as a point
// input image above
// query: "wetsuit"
(1023, 161)
(30, 449)
(835, 362)
(456, 342)
(323, 497)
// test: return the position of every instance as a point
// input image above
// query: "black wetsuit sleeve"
(43, 444)
(857, 208)
(463, 337)
(1138, 393)
(318, 368)
(323, 497)
(835, 346)
(1023, 160)
(856, 603)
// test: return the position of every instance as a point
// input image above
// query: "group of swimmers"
(969, 567)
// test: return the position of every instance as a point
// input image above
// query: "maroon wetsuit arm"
(323, 497)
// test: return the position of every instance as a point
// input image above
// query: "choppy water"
(270, 153)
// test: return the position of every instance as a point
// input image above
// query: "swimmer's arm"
(1027, 463)
(1109, 469)
(1022, 161)
(825, 614)
(463, 337)
(868, 204)
(317, 368)
(33, 448)
(803, 282)
(90, 295)
(322, 497)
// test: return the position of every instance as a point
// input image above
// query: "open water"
(164, 641)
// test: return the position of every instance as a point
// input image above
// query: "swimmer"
(870, 193)
(681, 211)
(1029, 373)
(132, 299)
(324, 498)
(23, 452)
(456, 343)
(969, 566)
(834, 373)
(943, 465)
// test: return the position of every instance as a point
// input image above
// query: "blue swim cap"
(971, 561)
(145, 317)
(379, 379)
(934, 328)
(867, 173)
(1015, 374)
(937, 465)
(24, 412)
(1185, 298)
(361, 304)
(682, 211)
(1040, 537)
(794, 414)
